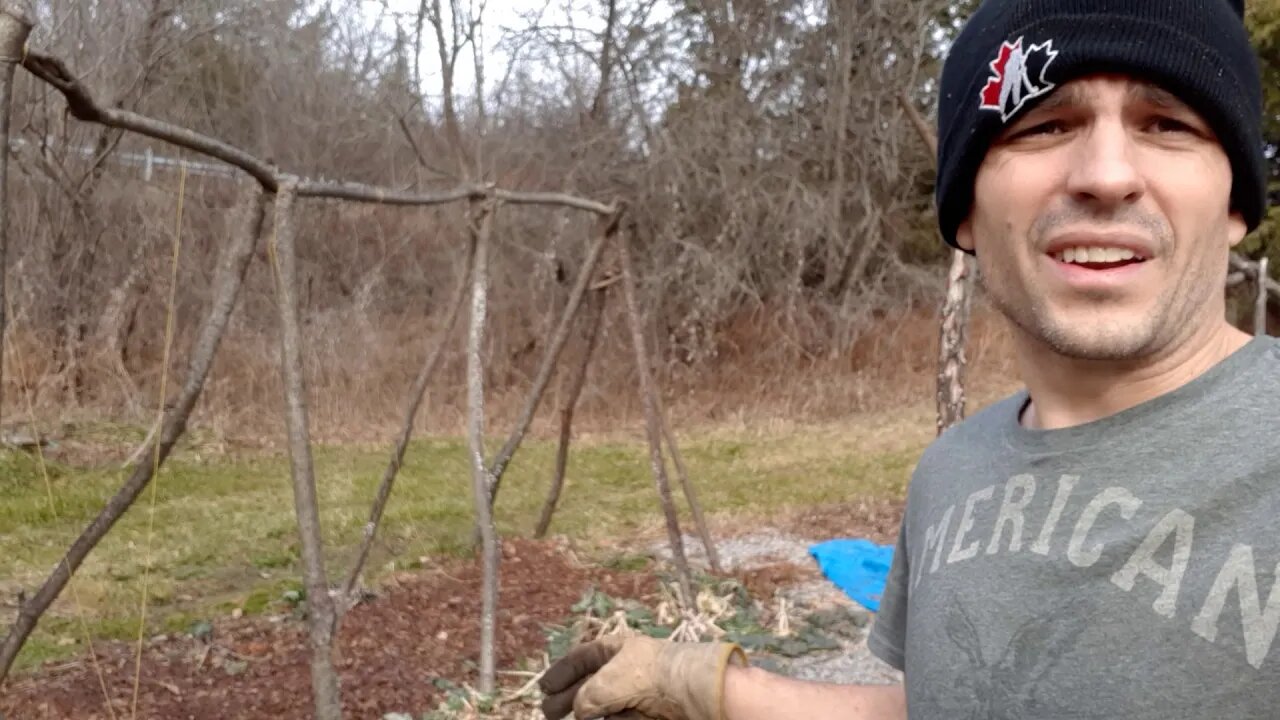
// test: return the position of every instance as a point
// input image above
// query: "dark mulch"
(422, 626)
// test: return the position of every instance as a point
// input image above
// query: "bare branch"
(608, 227)
(592, 315)
(651, 425)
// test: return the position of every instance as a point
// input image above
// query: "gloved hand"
(622, 676)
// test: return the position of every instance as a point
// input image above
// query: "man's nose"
(1104, 169)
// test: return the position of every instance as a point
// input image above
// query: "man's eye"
(1168, 125)
(1045, 128)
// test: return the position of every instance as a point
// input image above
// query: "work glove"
(639, 676)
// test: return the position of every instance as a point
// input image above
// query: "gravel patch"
(744, 552)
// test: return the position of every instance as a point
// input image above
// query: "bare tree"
(953, 332)
(15, 25)
(1260, 303)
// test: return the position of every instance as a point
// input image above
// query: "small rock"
(160, 639)
(442, 635)
(237, 613)
(66, 642)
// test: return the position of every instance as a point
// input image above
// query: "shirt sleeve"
(887, 639)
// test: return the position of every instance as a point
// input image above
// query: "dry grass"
(765, 435)
(358, 374)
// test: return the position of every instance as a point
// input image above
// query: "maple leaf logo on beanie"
(1017, 76)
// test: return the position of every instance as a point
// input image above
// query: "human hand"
(639, 677)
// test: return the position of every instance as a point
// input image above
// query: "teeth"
(1095, 255)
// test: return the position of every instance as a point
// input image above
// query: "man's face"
(1101, 220)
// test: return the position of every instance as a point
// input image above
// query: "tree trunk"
(406, 430)
(480, 481)
(953, 336)
(651, 424)
(953, 333)
(233, 261)
(14, 28)
(320, 607)
(591, 320)
(1260, 304)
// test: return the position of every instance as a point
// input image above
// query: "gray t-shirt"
(1125, 568)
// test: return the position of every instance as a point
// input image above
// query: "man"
(1104, 543)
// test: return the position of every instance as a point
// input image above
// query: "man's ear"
(964, 235)
(1237, 228)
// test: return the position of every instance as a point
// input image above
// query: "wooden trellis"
(285, 191)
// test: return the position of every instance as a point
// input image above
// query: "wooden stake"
(321, 617)
(480, 479)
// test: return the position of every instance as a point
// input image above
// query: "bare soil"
(421, 626)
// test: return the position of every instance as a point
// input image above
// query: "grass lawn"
(225, 533)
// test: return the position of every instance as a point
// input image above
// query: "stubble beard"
(1096, 328)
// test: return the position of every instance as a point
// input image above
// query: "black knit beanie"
(1012, 53)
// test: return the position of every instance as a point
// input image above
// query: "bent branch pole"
(15, 26)
(592, 316)
(321, 618)
(406, 430)
(84, 107)
(609, 226)
(690, 495)
(232, 264)
(651, 425)
(480, 482)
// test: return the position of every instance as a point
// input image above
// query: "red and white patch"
(1017, 76)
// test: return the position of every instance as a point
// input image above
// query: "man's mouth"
(1098, 258)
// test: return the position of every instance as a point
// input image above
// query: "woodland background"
(777, 198)
(786, 246)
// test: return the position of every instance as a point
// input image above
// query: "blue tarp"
(858, 567)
